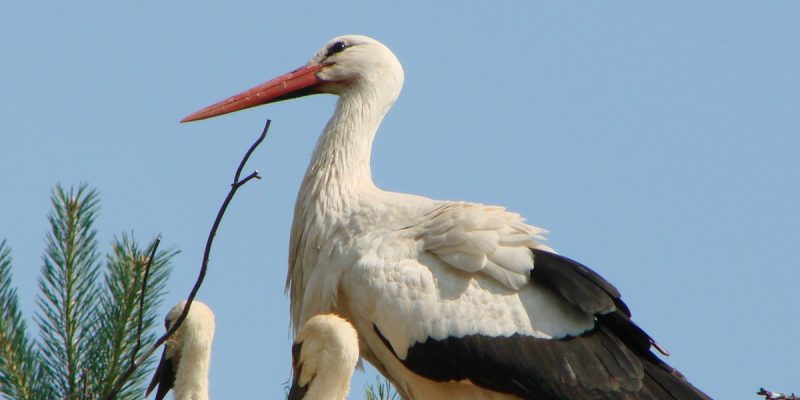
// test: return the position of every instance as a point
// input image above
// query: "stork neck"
(340, 165)
(191, 379)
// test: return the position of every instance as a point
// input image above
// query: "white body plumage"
(449, 299)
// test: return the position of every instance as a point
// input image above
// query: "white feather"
(328, 357)
(413, 267)
(189, 350)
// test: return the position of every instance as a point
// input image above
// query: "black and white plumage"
(450, 299)
(324, 356)
(186, 359)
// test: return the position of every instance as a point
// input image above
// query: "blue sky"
(659, 143)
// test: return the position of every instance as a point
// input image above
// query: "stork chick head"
(324, 356)
(185, 361)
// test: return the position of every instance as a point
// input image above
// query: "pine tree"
(381, 390)
(88, 311)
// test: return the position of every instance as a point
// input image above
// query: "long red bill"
(299, 82)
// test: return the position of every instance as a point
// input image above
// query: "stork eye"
(336, 48)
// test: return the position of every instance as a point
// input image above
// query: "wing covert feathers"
(612, 361)
(478, 238)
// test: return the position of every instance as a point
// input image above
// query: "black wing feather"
(164, 377)
(576, 283)
(612, 361)
(297, 392)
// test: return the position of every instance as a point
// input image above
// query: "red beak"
(300, 82)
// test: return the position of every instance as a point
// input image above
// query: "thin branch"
(203, 268)
(150, 259)
(247, 178)
(249, 152)
(85, 395)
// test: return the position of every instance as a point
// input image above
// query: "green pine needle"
(20, 371)
(68, 290)
(118, 314)
(382, 390)
(88, 328)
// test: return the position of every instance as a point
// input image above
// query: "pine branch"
(68, 290)
(21, 375)
(118, 314)
(151, 254)
(382, 390)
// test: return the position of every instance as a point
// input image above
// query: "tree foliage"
(88, 310)
(22, 374)
(381, 390)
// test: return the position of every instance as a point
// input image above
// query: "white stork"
(450, 299)
(187, 355)
(324, 356)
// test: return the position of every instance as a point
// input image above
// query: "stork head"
(346, 65)
(324, 356)
(187, 351)
(199, 320)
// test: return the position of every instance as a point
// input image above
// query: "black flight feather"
(612, 361)
(164, 377)
(297, 392)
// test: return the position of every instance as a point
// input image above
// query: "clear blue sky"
(658, 142)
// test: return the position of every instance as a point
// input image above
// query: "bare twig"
(203, 268)
(249, 152)
(776, 395)
(151, 257)
(85, 395)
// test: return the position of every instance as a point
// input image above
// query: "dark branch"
(249, 152)
(203, 268)
(252, 175)
(151, 257)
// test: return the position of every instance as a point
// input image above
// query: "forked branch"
(237, 183)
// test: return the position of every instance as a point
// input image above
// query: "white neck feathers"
(340, 165)
(367, 78)
(195, 337)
